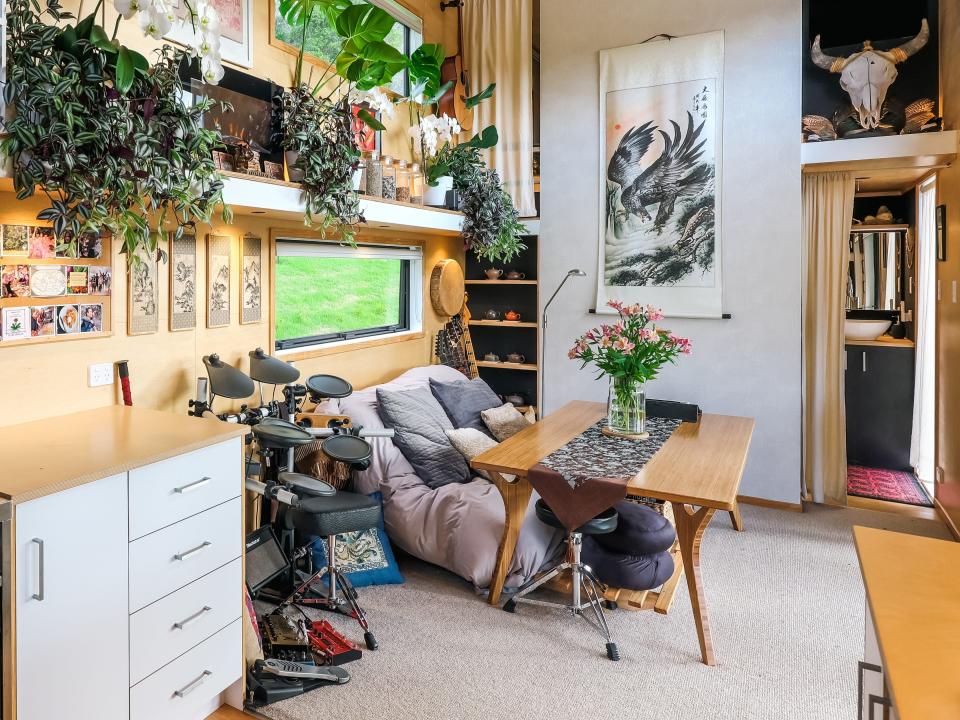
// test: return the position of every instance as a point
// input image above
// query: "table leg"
(690, 526)
(735, 519)
(516, 497)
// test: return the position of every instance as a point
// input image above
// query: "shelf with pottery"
(503, 323)
(252, 195)
(501, 282)
(503, 365)
(917, 150)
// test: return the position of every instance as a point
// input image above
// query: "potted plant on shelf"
(105, 136)
(629, 352)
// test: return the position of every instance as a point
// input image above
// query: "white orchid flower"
(154, 24)
(127, 8)
(211, 69)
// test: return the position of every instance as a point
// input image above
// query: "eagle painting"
(660, 202)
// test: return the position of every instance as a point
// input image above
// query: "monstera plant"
(102, 133)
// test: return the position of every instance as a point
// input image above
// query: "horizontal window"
(326, 293)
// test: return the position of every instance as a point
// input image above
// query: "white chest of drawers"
(127, 570)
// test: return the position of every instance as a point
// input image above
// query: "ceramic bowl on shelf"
(864, 329)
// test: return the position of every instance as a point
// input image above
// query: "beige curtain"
(827, 216)
(498, 47)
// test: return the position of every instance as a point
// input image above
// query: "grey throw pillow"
(419, 425)
(464, 400)
(504, 421)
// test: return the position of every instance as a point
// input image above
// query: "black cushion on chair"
(641, 531)
(344, 512)
(631, 572)
(605, 522)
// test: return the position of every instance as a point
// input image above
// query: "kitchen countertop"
(51, 455)
(892, 342)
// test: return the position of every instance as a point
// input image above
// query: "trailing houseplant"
(103, 134)
(629, 352)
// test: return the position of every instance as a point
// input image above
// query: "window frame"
(411, 292)
(404, 15)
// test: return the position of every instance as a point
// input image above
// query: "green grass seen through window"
(319, 296)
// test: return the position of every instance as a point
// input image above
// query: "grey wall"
(750, 365)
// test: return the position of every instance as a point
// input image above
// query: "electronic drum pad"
(349, 449)
(328, 386)
(225, 380)
(270, 370)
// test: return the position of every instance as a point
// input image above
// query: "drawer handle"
(193, 551)
(191, 686)
(38, 595)
(190, 487)
(193, 618)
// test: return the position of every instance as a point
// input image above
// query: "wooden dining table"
(698, 471)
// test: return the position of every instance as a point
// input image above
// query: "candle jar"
(389, 184)
(374, 176)
(403, 182)
(416, 185)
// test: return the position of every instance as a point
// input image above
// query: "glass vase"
(627, 406)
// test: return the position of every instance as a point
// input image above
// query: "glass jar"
(416, 185)
(374, 176)
(389, 184)
(403, 182)
(627, 406)
(360, 185)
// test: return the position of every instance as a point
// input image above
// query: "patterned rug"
(891, 485)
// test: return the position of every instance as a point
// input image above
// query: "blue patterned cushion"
(365, 556)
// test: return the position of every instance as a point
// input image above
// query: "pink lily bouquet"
(630, 352)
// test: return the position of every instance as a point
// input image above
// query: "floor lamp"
(576, 272)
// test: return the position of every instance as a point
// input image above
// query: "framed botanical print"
(251, 280)
(143, 312)
(218, 281)
(236, 29)
(183, 282)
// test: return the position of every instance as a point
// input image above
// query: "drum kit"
(291, 500)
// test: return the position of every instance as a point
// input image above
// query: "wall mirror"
(875, 280)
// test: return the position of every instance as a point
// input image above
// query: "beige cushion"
(504, 421)
(471, 442)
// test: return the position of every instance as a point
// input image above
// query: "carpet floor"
(786, 608)
(891, 485)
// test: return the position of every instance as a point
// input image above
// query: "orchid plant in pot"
(629, 352)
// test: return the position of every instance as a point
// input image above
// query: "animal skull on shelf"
(868, 74)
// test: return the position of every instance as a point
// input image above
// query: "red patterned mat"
(892, 485)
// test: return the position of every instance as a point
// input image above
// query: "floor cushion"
(640, 531)
(631, 572)
(420, 426)
(464, 400)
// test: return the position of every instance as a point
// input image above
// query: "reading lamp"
(576, 272)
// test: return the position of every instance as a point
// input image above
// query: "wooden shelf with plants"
(501, 337)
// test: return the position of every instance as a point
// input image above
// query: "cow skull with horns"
(868, 74)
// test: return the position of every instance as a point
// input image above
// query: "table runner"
(590, 473)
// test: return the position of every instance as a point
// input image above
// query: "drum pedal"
(302, 671)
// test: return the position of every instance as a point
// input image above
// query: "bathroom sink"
(864, 329)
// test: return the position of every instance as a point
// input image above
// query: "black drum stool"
(584, 582)
(328, 514)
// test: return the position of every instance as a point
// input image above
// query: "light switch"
(100, 374)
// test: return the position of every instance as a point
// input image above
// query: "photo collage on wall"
(48, 290)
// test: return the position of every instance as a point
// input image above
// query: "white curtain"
(498, 47)
(827, 216)
(924, 389)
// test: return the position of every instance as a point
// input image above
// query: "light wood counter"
(86, 446)
(913, 590)
(892, 342)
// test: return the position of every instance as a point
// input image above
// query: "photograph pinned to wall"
(660, 110)
(365, 137)
(90, 246)
(41, 244)
(143, 316)
(236, 30)
(15, 240)
(251, 279)
(99, 280)
(16, 323)
(183, 282)
(78, 280)
(43, 320)
(68, 319)
(218, 281)
(48, 280)
(15, 281)
(91, 318)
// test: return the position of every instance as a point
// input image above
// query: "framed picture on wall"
(183, 282)
(236, 29)
(218, 281)
(941, 232)
(143, 311)
(251, 279)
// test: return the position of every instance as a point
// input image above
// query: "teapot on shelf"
(511, 316)
(491, 314)
(516, 357)
(515, 275)
(516, 398)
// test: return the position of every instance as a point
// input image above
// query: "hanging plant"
(106, 137)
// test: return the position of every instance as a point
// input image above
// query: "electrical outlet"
(100, 374)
